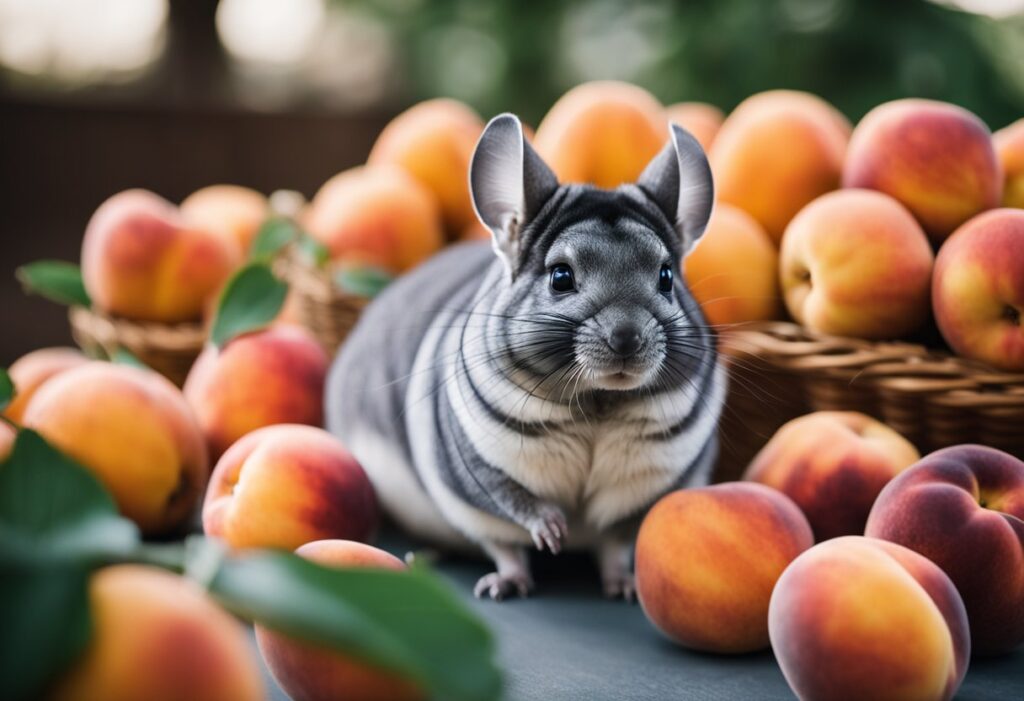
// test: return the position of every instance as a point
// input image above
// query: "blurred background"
(97, 96)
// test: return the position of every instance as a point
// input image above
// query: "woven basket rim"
(106, 329)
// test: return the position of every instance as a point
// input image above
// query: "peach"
(833, 464)
(274, 376)
(30, 371)
(699, 118)
(776, 152)
(286, 485)
(142, 260)
(734, 272)
(604, 133)
(309, 672)
(159, 637)
(937, 159)
(855, 263)
(132, 428)
(963, 509)
(7, 435)
(978, 289)
(377, 215)
(1009, 145)
(231, 211)
(707, 559)
(859, 618)
(434, 141)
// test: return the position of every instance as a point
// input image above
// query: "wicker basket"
(170, 349)
(323, 308)
(779, 371)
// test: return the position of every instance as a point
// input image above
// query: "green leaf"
(56, 523)
(251, 300)
(122, 356)
(6, 389)
(57, 280)
(314, 251)
(407, 622)
(45, 613)
(273, 236)
(363, 281)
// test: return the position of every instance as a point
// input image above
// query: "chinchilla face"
(592, 298)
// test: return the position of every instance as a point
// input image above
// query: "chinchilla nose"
(625, 338)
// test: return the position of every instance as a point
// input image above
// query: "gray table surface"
(567, 642)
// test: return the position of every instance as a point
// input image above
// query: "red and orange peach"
(937, 159)
(707, 560)
(1009, 143)
(860, 618)
(287, 485)
(978, 289)
(142, 260)
(133, 430)
(833, 464)
(309, 672)
(233, 212)
(30, 371)
(855, 263)
(963, 509)
(699, 118)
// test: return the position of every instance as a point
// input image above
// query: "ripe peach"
(30, 371)
(231, 211)
(734, 272)
(937, 159)
(978, 289)
(286, 485)
(859, 618)
(776, 152)
(7, 434)
(833, 464)
(1009, 144)
(142, 260)
(963, 509)
(377, 215)
(434, 141)
(855, 263)
(159, 637)
(274, 376)
(707, 559)
(604, 133)
(133, 430)
(308, 672)
(699, 118)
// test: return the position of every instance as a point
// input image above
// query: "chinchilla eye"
(562, 279)
(665, 279)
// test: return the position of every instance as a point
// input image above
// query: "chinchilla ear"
(509, 183)
(679, 180)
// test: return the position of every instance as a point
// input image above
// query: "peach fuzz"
(604, 133)
(832, 464)
(860, 618)
(30, 371)
(734, 271)
(286, 485)
(707, 559)
(233, 212)
(978, 289)
(776, 152)
(274, 376)
(963, 509)
(159, 637)
(133, 430)
(142, 260)
(855, 263)
(308, 672)
(434, 141)
(937, 159)
(376, 215)
(1009, 144)
(700, 119)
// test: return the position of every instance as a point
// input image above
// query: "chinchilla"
(549, 388)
